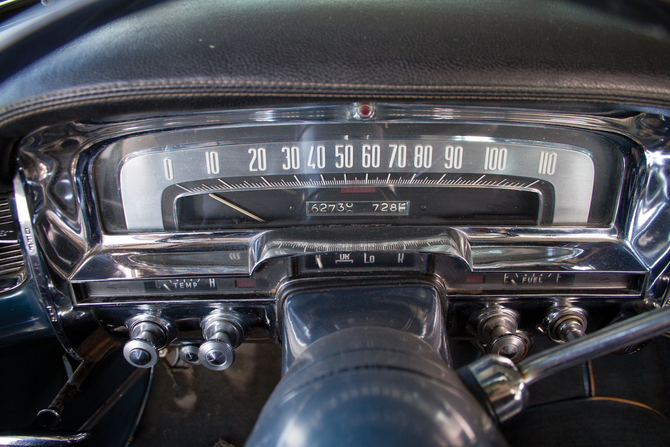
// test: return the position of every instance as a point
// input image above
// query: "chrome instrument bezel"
(153, 166)
(83, 229)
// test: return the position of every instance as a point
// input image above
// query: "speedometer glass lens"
(358, 174)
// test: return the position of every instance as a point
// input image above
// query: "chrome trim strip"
(401, 113)
(51, 302)
(46, 439)
(164, 254)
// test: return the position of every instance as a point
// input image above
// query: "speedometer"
(364, 173)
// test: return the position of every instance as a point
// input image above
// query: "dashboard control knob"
(216, 355)
(141, 354)
(513, 346)
(222, 334)
(563, 324)
(189, 354)
(498, 330)
(146, 338)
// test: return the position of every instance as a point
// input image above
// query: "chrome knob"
(563, 324)
(513, 346)
(189, 354)
(216, 355)
(222, 334)
(498, 330)
(146, 337)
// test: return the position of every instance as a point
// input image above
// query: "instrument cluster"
(272, 176)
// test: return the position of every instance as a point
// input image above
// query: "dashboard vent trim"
(12, 262)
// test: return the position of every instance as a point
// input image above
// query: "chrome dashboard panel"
(103, 258)
(85, 141)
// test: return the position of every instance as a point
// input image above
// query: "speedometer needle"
(236, 208)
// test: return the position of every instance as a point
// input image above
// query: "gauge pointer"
(236, 208)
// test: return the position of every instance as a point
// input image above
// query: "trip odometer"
(362, 173)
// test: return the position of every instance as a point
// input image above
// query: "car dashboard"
(191, 178)
(142, 214)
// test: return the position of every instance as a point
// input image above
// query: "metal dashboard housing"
(96, 275)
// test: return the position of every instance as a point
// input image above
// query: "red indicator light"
(474, 279)
(365, 110)
(245, 283)
(358, 190)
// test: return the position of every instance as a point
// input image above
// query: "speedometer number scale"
(356, 179)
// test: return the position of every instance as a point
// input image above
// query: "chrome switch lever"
(146, 338)
(222, 334)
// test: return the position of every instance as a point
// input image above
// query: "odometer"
(357, 208)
